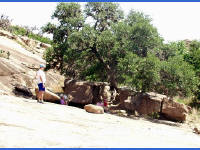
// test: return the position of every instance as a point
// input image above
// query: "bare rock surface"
(20, 68)
(26, 123)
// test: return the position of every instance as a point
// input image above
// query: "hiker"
(99, 104)
(103, 104)
(41, 79)
(63, 100)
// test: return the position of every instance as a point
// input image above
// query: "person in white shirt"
(41, 79)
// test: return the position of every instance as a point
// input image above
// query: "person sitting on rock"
(41, 79)
(63, 100)
(100, 104)
(103, 104)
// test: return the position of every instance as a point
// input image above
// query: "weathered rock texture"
(149, 103)
(26, 124)
(144, 103)
(25, 56)
(83, 92)
(174, 110)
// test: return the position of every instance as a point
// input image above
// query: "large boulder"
(123, 94)
(79, 92)
(148, 103)
(174, 110)
(83, 92)
(145, 103)
(128, 104)
(48, 96)
(94, 109)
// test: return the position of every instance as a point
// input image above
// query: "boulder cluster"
(83, 92)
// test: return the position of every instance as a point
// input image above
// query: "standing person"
(41, 79)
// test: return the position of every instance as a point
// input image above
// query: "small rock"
(196, 130)
(94, 109)
(44, 45)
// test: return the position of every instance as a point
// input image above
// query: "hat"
(42, 66)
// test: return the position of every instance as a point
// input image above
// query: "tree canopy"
(99, 43)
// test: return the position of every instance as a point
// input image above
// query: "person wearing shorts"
(41, 79)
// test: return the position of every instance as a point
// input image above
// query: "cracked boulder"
(148, 103)
(174, 110)
(83, 92)
(144, 103)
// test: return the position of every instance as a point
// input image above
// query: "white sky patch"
(174, 21)
(28, 13)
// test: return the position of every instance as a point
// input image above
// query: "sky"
(174, 21)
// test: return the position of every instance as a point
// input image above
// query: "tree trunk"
(112, 78)
(111, 74)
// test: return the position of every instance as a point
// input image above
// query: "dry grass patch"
(185, 100)
(194, 117)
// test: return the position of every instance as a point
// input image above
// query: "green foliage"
(70, 20)
(177, 77)
(25, 32)
(172, 49)
(120, 50)
(140, 73)
(143, 36)
(154, 115)
(193, 56)
(103, 14)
